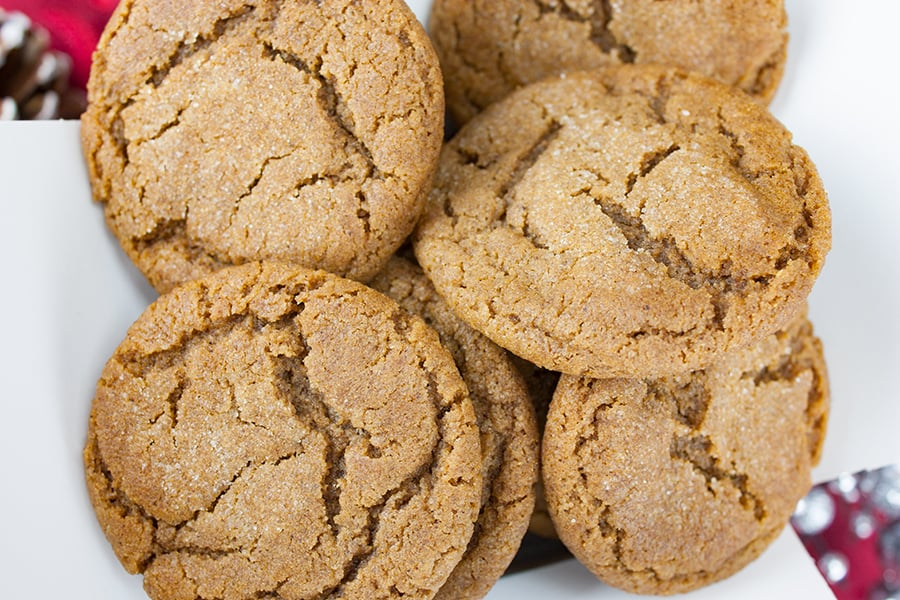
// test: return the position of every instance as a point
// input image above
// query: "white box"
(69, 294)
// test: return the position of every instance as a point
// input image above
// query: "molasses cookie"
(488, 48)
(509, 438)
(633, 221)
(224, 132)
(271, 431)
(665, 485)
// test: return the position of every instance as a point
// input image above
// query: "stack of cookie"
(267, 430)
(652, 233)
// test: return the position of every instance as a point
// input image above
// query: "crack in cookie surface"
(599, 17)
(529, 158)
(332, 101)
(186, 50)
(698, 451)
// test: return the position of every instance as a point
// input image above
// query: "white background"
(69, 294)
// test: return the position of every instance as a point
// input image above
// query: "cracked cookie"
(275, 432)
(665, 485)
(223, 132)
(488, 48)
(509, 437)
(633, 221)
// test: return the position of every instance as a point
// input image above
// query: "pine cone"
(33, 78)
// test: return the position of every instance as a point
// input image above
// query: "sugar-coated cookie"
(664, 485)
(275, 432)
(488, 48)
(632, 221)
(223, 132)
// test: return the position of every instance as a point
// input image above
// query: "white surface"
(840, 98)
(69, 294)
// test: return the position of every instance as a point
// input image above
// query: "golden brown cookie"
(224, 132)
(665, 485)
(509, 437)
(488, 48)
(633, 221)
(271, 431)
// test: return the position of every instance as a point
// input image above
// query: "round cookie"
(488, 48)
(509, 438)
(224, 132)
(633, 221)
(664, 485)
(271, 431)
